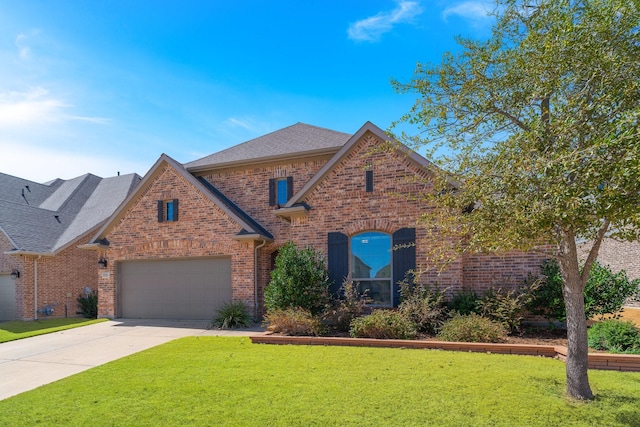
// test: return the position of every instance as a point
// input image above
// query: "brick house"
(191, 237)
(617, 255)
(42, 270)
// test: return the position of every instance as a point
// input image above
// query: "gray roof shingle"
(294, 140)
(50, 216)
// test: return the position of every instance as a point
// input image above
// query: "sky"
(104, 87)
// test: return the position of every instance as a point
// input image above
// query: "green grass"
(18, 329)
(229, 381)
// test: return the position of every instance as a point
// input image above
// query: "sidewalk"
(31, 362)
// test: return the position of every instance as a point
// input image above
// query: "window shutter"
(289, 188)
(272, 192)
(404, 258)
(369, 181)
(160, 211)
(175, 209)
(337, 260)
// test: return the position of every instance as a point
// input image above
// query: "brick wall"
(202, 230)
(248, 187)
(617, 255)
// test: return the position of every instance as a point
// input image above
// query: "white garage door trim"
(7, 297)
(191, 288)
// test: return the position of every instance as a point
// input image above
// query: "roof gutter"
(29, 253)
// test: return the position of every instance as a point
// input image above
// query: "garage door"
(7, 297)
(174, 289)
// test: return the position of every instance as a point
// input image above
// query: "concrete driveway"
(29, 363)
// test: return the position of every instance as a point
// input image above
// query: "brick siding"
(61, 278)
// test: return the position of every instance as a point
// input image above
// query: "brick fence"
(617, 362)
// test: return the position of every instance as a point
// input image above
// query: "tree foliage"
(540, 129)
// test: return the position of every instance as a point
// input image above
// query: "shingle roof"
(43, 218)
(295, 140)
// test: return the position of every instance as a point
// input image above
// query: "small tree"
(299, 279)
(541, 124)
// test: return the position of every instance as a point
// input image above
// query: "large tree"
(539, 125)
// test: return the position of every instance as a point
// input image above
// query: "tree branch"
(593, 253)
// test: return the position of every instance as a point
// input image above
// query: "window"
(370, 265)
(167, 210)
(280, 190)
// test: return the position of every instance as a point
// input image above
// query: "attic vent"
(57, 217)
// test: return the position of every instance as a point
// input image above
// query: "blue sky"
(107, 86)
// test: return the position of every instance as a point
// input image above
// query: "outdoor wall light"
(15, 274)
(102, 263)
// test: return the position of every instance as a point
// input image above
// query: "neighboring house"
(617, 255)
(191, 237)
(42, 271)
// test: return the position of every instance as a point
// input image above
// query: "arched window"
(370, 265)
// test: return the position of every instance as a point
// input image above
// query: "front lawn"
(18, 329)
(230, 381)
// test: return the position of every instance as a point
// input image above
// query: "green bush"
(299, 279)
(506, 307)
(89, 305)
(616, 336)
(424, 306)
(232, 315)
(464, 302)
(472, 328)
(351, 305)
(383, 324)
(293, 321)
(605, 292)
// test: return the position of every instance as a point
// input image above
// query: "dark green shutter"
(337, 260)
(272, 192)
(289, 188)
(404, 258)
(175, 209)
(160, 211)
(369, 181)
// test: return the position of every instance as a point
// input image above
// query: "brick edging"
(608, 361)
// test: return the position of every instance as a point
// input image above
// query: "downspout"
(255, 277)
(35, 287)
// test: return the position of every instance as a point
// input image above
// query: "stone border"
(608, 361)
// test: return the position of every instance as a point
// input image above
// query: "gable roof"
(294, 141)
(249, 227)
(45, 218)
(298, 198)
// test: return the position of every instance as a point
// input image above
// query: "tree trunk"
(577, 345)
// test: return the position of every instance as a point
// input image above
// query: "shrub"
(383, 324)
(293, 321)
(465, 302)
(299, 279)
(506, 307)
(605, 292)
(472, 328)
(614, 335)
(351, 305)
(423, 306)
(232, 315)
(89, 305)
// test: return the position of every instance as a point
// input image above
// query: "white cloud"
(22, 43)
(239, 122)
(372, 28)
(34, 107)
(478, 13)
